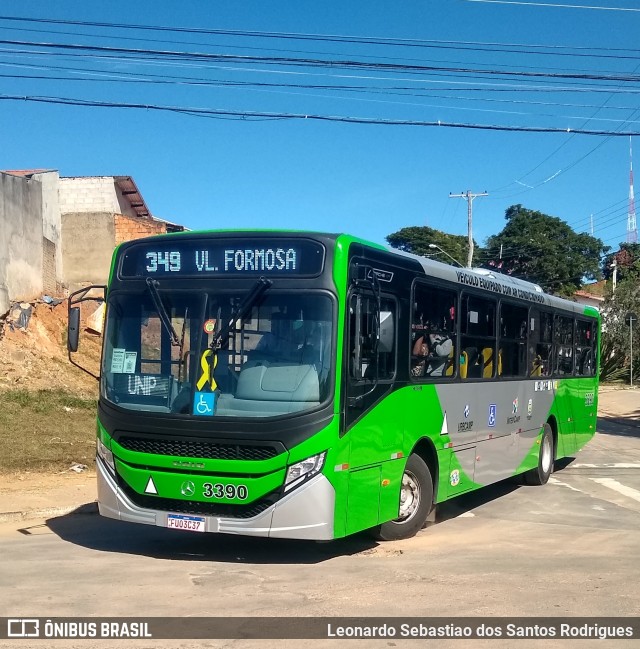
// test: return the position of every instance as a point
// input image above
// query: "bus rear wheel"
(540, 475)
(416, 501)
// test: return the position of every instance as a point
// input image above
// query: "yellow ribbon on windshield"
(207, 370)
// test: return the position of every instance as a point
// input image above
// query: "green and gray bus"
(307, 385)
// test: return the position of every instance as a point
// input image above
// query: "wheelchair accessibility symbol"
(204, 404)
(492, 415)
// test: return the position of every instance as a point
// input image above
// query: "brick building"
(97, 214)
(59, 233)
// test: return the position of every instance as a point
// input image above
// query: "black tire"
(540, 475)
(417, 485)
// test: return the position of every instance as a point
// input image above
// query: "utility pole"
(632, 230)
(468, 196)
(614, 265)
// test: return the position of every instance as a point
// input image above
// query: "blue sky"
(369, 180)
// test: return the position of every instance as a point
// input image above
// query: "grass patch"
(45, 430)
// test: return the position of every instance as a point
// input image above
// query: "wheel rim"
(545, 460)
(409, 497)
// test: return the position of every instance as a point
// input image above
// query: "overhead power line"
(264, 115)
(350, 64)
(528, 48)
(555, 5)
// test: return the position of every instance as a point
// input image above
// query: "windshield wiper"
(241, 311)
(162, 311)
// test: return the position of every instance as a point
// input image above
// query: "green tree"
(545, 250)
(615, 347)
(417, 239)
(627, 262)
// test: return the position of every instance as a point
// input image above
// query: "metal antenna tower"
(632, 231)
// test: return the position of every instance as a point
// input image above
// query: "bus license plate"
(190, 523)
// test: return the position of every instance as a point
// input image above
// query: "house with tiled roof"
(591, 294)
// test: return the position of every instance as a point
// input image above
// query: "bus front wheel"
(416, 501)
(540, 475)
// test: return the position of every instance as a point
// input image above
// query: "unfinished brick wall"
(128, 228)
(49, 283)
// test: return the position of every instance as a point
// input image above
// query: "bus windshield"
(164, 352)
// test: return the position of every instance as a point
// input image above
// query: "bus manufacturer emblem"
(187, 488)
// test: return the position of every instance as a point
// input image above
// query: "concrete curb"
(49, 512)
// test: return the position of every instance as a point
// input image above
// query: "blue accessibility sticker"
(492, 415)
(204, 404)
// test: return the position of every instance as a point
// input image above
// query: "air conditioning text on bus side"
(503, 289)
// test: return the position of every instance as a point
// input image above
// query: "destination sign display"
(203, 257)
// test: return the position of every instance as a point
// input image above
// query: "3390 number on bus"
(229, 491)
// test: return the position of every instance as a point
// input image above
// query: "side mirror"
(73, 319)
(73, 329)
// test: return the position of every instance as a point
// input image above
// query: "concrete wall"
(93, 194)
(88, 240)
(20, 239)
(51, 231)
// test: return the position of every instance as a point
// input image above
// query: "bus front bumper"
(306, 513)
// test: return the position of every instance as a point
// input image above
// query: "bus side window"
(368, 359)
(563, 335)
(478, 321)
(584, 348)
(540, 343)
(512, 347)
(433, 349)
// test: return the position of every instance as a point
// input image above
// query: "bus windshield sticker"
(117, 360)
(129, 366)
(155, 386)
(204, 404)
(208, 368)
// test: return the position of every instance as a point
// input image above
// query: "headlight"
(105, 455)
(303, 471)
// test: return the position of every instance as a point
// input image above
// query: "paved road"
(569, 548)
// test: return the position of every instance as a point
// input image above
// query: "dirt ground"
(35, 358)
